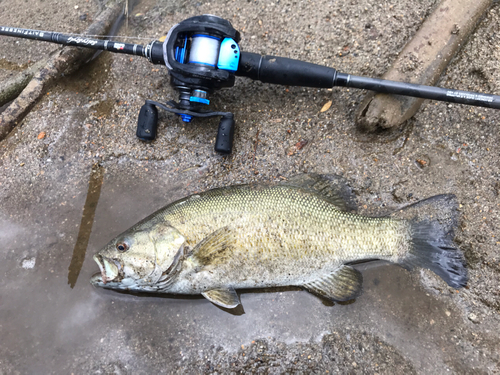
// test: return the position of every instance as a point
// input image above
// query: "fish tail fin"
(432, 250)
(432, 228)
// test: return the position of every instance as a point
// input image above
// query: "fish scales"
(298, 233)
(282, 230)
(301, 221)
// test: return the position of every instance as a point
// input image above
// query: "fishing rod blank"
(284, 71)
(202, 55)
(82, 41)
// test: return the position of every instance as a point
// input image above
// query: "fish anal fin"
(343, 284)
(223, 297)
(216, 248)
(332, 188)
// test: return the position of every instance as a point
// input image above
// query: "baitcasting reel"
(202, 55)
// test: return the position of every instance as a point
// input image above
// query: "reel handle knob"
(224, 140)
(147, 123)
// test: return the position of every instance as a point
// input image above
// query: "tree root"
(10, 89)
(30, 85)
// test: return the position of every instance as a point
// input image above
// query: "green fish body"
(299, 233)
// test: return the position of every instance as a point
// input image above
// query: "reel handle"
(148, 120)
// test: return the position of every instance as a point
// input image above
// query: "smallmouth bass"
(298, 233)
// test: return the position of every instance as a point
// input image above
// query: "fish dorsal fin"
(343, 284)
(332, 188)
(216, 248)
(224, 297)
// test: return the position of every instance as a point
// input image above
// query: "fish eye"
(122, 246)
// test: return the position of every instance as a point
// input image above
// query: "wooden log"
(422, 61)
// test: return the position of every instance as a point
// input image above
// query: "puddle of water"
(9, 65)
(95, 183)
(105, 107)
(89, 78)
(46, 326)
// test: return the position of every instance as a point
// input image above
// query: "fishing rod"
(202, 55)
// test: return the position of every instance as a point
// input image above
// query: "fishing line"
(111, 36)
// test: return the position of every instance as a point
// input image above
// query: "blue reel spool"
(210, 51)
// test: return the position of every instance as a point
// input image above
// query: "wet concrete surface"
(403, 322)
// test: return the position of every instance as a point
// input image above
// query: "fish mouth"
(110, 270)
(96, 279)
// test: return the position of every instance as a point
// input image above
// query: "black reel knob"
(225, 134)
(147, 124)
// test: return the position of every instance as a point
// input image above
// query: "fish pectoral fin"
(223, 297)
(216, 248)
(343, 284)
(332, 188)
